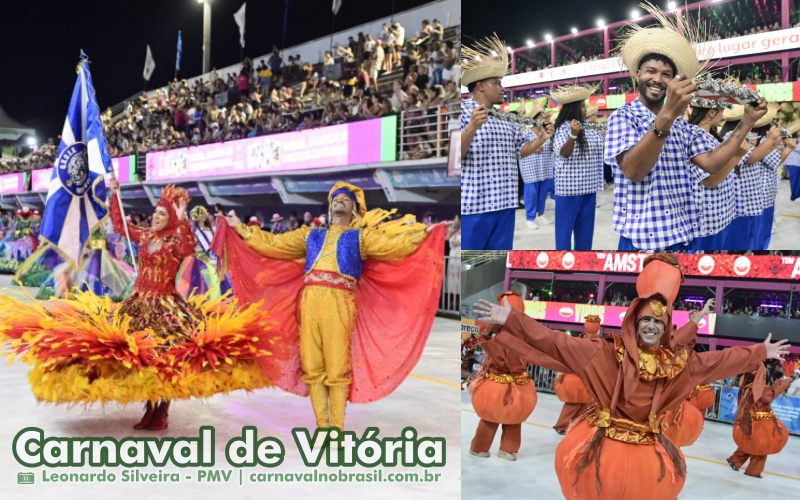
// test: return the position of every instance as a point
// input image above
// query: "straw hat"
(533, 110)
(572, 93)
(276, 217)
(488, 58)
(591, 111)
(734, 113)
(772, 112)
(666, 40)
(794, 126)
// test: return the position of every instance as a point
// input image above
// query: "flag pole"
(124, 221)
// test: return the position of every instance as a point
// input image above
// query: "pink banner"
(122, 168)
(40, 180)
(12, 183)
(335, 146)
(564, 312)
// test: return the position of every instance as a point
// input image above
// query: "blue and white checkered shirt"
(537, 167)
(748, 187)
(793, 159)
(582, 171)
(716, 205)
(489, 178)
(656, 212)
(771, 177)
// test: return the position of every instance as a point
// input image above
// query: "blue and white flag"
(75, 203)
(180, 51)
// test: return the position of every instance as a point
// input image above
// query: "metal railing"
(450, 299)
(425, 132)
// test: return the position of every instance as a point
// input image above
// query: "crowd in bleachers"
(41, 158)
(374, 74)
(368, 77)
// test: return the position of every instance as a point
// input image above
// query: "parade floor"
(533, 474)
(427, 400)
(785, 237)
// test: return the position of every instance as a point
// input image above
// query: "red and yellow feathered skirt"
(87, 349)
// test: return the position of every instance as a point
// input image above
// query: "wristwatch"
(660, 134)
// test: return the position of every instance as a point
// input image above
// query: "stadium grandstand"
(379, 106)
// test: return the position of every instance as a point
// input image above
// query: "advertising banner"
(12, 183)
(565, 312)
(786, 408)
(757, 43)
(774, 267)
(124, 169)
(368, 141)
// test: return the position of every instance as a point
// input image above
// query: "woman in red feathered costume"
(155, 346)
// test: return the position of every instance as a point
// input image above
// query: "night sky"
(517, 21)
(41, 41)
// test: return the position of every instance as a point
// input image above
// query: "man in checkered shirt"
(537, 175)
(490, 152)
(649, 147)
(793, 167)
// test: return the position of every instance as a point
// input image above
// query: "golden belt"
(330, 279)
(762, 415)
(705, 387)
(623, 429)
(508, 378)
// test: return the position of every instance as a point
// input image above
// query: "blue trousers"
(575, 216)
(717, 241)
(743, 232)
(764, 231)
(488, 231)
(551, 187)
(794, 181)
(535, 196)
(627, 245)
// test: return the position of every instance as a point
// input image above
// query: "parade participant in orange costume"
(569, 387)
(618, 450)
(502, 394)
(684, 425)
(757, 431)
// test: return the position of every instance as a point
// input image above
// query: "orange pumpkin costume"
(619, 451)
(703, 397)
(757, 431)
(503, 393)
(569, 387)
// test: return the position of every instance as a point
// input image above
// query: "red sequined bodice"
(157, 269)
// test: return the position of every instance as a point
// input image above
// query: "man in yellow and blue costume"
(339, 285)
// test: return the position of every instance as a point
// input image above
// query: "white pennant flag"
(337, 4)
(239, 18)
(149, 64)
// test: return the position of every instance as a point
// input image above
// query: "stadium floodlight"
(509, 49)
(574, 30)
(671, 5)
(32, 142)
(601, 23)
(634, 14)
(548, 37)
(206, 35)
(529, 42)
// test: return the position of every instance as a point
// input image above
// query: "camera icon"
(25, 478)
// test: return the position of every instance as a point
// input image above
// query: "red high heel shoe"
(149, 409)
(160, 417)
